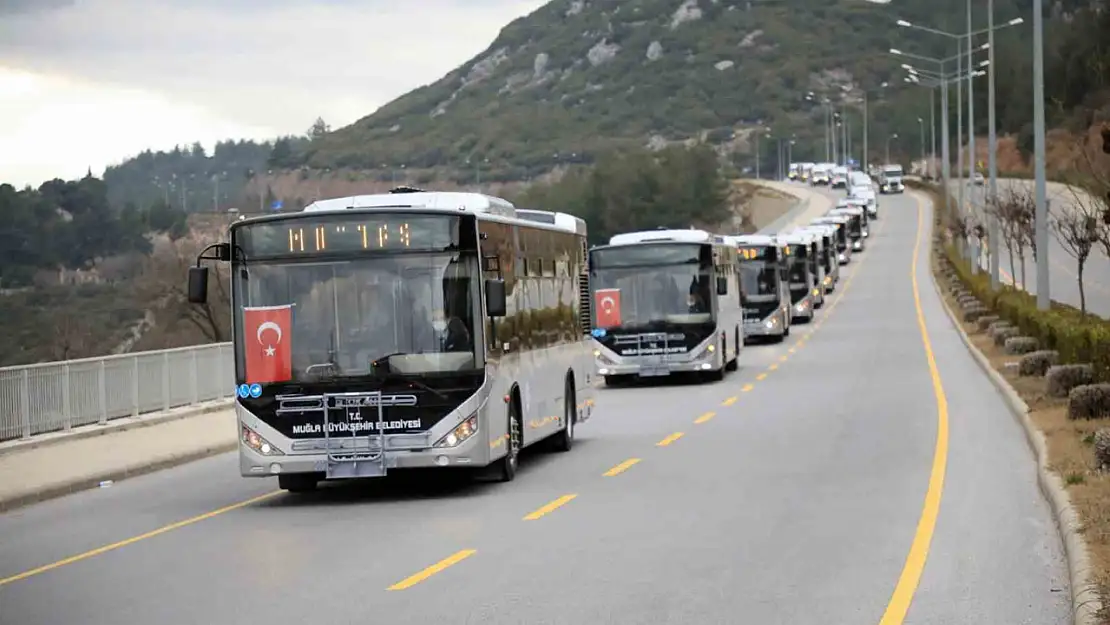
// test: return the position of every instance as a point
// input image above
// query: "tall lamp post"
(888, 140)
(968, 37)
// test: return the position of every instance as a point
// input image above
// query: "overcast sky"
(86, 83)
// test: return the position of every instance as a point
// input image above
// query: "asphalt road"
(826, 473)
(1062, 266)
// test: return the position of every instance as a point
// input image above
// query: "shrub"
(998, 325)
(1020, 345)
(972, 314)
(985, 322)
(1002, 334)
(1089, 401)
(1102, 448)
(1037, 363)
(969, 300)
(1062, 378)
(1078, 338)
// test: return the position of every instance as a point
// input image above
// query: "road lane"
(774, 510)
(1063, 284)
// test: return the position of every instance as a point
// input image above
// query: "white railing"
(57, 396)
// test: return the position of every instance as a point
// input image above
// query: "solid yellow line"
(621, 468)
(762, 376)
(705, 417)
(904, 591)
(670, 439)
(134, 539)
(438, 567)
(549, 507)
(747, 388)
(730, 401)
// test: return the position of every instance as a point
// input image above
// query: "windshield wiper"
(391, 375)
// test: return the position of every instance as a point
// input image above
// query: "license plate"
(653, 372)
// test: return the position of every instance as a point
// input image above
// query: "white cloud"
(101, 79)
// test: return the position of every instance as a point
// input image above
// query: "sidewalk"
(38, 473)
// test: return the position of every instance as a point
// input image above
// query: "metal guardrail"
(58, 396)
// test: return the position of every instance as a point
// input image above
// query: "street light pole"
(932, 132)
(1041, 223)
(865, 163)
(975, 246)
(994, 237)
(921, 126)
(960, 141)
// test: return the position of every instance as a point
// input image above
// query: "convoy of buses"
(416, 329)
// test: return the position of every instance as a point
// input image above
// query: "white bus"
(404, 330)
(666, 301)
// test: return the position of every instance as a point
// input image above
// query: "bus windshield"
(759, 280)
(659, 285)
(356, 317)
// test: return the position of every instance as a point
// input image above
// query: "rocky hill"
(577, 77)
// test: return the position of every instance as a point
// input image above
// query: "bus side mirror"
(198, 285)
(495, 298)
(722, 285)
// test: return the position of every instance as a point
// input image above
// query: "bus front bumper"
(473, 452)
(702, 358)
(772, 325)
(803, 308)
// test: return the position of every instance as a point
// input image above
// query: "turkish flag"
(608, 304)
(267, 343)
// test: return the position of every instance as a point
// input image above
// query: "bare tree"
(1021, 206)
(1078, 230)
(1090, 186)
(165, 283)
(71, 336)
(1007, 227)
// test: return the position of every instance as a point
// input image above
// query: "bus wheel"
(506, 467)
(564, 439)
(298, 482)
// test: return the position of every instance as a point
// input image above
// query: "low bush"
(985, 322)
(1102, 449)
(1001, 335)
(998, 325)
(1089, 401)
(1078, 338)
(1062, 378)
(1019, 345)
(972, 314)
(1036, 364)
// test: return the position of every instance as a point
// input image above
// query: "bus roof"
(407, 197)
(563, 221)
(753, 239)
(666, 236)
(796, 238)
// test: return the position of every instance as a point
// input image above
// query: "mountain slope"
(579, 76)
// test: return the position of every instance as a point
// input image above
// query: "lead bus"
(404, 330)
(665, 301)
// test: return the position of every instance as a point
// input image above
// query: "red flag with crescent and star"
(608, 303)
(267, 344)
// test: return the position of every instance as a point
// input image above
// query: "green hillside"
(577, 77)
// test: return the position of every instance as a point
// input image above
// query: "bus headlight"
(253, 440)
(602, 358)
(460, 434)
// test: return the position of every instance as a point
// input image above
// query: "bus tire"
(506, 467)
(298, 482)
(563, 440)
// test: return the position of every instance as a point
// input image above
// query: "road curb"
(121, 424)
(1084, 595)
(93, 481)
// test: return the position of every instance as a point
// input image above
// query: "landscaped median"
(1054, 366)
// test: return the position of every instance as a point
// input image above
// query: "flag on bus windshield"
(267, 344)
(608, 304)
